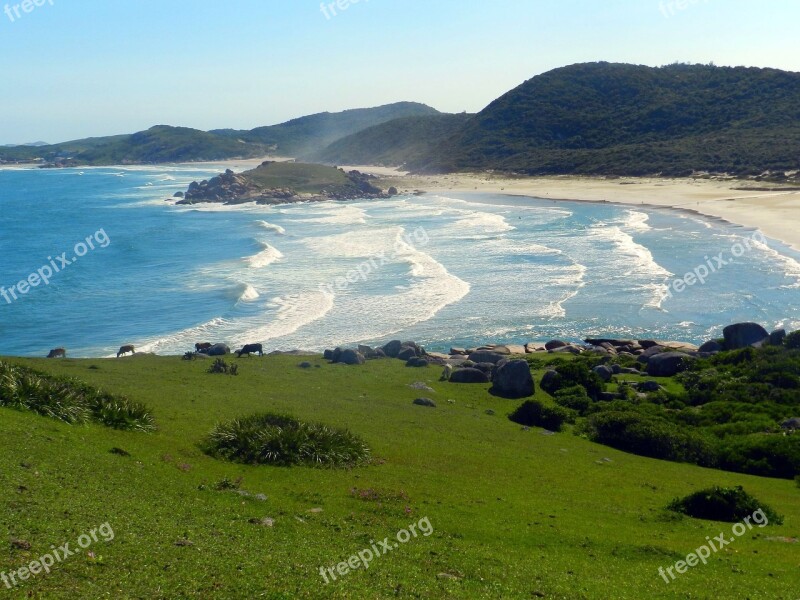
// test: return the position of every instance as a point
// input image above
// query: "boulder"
(791, 424)
(604, 371)
(568, 349)
(337, 355)
(516, 349)
(328, 355)
(513, 379)
(500, 349)
(742, 335)
(648, 386)
(458, 352)
(711, 346)
(776, 337)
(609, 396)
(485, 356)
(218, 350)
(667, 364)
(553, 344)
(551, 382)
(425, 402)
(469, 376)
(367, 352)
(392, 349)
(305, 365)
(407, 353)
(417, 361)
(351, 357)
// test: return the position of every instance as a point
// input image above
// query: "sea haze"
(441, 269)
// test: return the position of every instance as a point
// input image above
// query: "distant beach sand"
(776, 213)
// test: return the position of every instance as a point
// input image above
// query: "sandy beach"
(775, 212)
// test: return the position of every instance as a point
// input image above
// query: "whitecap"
(267, 256)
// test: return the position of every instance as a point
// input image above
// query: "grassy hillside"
(628, 119)
(515, 513)
(394, 143)
(303, 136)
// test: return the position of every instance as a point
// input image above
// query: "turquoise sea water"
(442, 269)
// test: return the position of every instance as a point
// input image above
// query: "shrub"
(284, 441)
(761, 454)
(792, 341)
(535, 414)
(69, 400)
(573, 398)
(574, 373)
(223, 368)
(647, 435)
(723, 504)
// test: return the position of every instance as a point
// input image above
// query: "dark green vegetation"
(395, 143)
(162, 143)
(725, 412)
(515, 513)
(300, 177)
(69, 400)
(270, 439)
(723, 504)
(619, 119)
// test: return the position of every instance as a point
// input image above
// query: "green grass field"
(515, 513)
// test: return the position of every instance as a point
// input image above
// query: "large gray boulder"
(776, 337)
(711, 346)
(668, 364)
(791, 424)
(351, 357)
(407, 353)
(486, 356)
(219, 350)
(469, 376)
(513, 379)
(392, 349)
(553, 344)
(605, 372)
(427, 402)
(742, 335)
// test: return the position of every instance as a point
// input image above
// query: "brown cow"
(57, 353)
(126, 350)
(203, 346)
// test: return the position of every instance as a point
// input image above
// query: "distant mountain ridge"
(163, 143)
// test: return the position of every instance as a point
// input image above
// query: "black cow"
(251, 349)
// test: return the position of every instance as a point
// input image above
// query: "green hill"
(602, 118)
(303, 136)
(515, 512)
(394, 143)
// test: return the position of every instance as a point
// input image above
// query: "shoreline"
(775, 213)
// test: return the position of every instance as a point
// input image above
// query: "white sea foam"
(791, 266)
(337, 214)
(271, 227)
(268, 255)
(637, 221)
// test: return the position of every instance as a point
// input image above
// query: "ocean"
(452, 269)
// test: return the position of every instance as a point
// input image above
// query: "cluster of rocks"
(215, 350)
(231, 188)
(412, 353)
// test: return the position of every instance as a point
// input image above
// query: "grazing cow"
(57, 353)
(126, 350)
(205, 346)
(251, 349)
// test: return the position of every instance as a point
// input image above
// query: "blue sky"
(78, 68)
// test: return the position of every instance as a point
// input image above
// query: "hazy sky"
(78, 68)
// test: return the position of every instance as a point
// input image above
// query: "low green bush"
(534, 413)
(271, 439)
(573, 398)
(69, 400)
(725, 504)
(769, 455)
(647, 435)
(570, 374)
